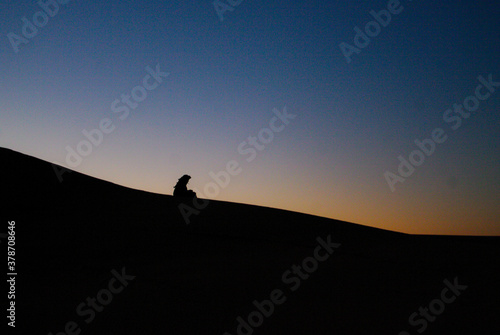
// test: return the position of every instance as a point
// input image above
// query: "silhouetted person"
(180, 189)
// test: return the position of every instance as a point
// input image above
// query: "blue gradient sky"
(352, 120)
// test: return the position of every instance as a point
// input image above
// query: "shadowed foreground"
(153, 274)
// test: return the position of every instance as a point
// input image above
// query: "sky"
(379, 113)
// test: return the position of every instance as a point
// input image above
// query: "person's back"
(180, 190)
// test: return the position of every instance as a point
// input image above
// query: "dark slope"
(198, 278)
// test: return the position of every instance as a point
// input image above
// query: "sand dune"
(234, 269)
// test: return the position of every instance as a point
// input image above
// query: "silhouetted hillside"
(74, 237)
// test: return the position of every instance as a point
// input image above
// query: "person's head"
(183, 180)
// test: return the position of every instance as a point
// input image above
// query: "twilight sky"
(317, 105)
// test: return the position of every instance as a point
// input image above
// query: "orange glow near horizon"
(423, 204)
